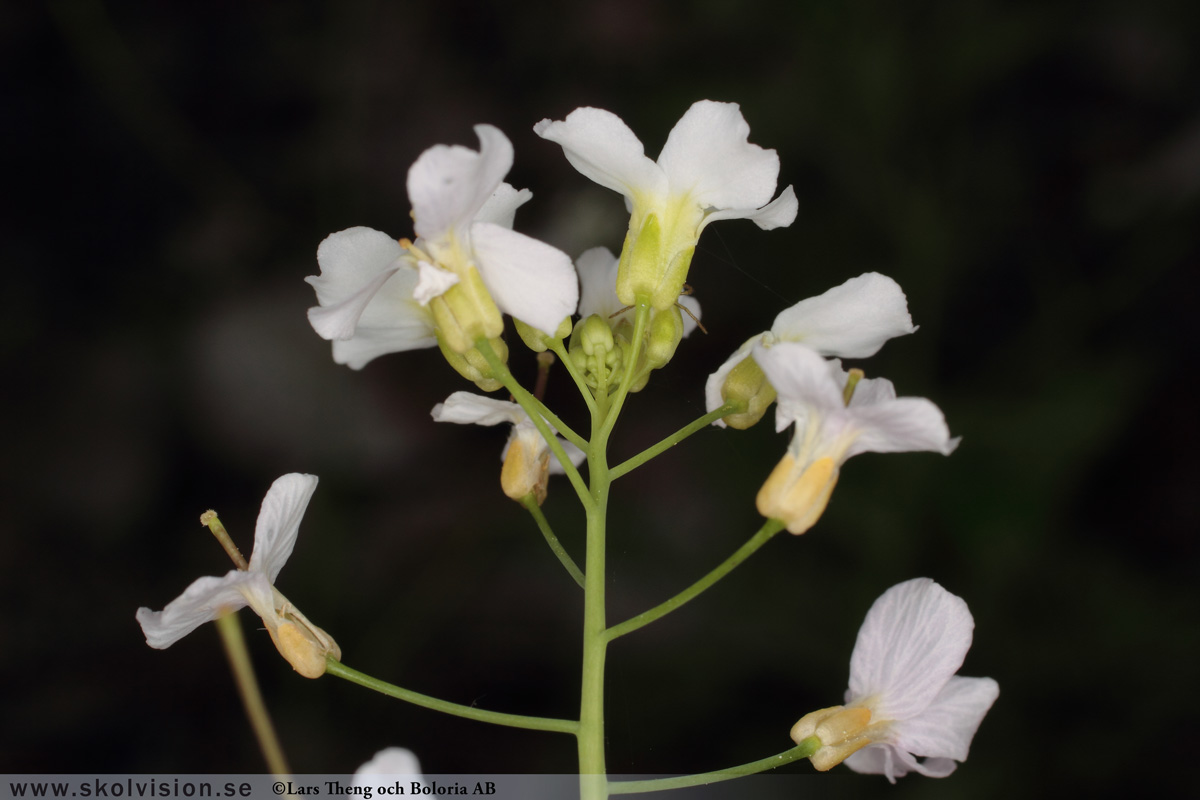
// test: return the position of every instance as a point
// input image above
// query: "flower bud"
(840, 731)
(473, 366)
(747, 387)
(537, 341)
(797, 492)
(595, 352)
(526, 469)
(666, 331)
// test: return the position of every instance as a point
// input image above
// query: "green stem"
(534, 409)
(670, 441)
(256, 709)
(683, 781)
(560, 350)
(562, 427)
(530, 503)
(617, 401)
(764, 534)
(334, 667)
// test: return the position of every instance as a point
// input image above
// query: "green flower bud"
(666, 331)
(537, 341)
(473, 366)
(596, 353)
(747, 387)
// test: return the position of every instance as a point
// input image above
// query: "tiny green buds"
(537, 341)
(747, 386)
(664, 336)
(596, 353)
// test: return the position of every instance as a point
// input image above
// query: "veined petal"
(601, 146)
(709, 157)
(901, 425)
(894, 762)
(466, 408)
(205, 600)
(911, 643)
(355, 264)
(946, 728)
(449, 184)
(279, 522)
(799, 375)
(852, 320)
(501, 207)
(528, 279)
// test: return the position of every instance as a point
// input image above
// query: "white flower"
(527, 458)
(380, 296)
(707, 171)
(304, 645)
(905, 701)
(829, 430)
(397, 763)
(850, 321)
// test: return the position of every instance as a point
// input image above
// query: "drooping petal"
(913, 640)
(851, 321)
(203, 601)
(355, 264)
(449, 184)
(945, 729)
(603, 148)
(528, 279)
(501, 207)
(279, 522)
(369, 342)
(894, 762)
(901, 425)
(466, 408)
(708, 156)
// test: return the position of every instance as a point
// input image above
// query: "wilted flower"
(905, 701)
(304, 645)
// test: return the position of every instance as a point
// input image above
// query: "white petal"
(852, 320)
(501, 207)
(340, 321)
(448, 185)
(397, 763)
(203, 601)
(528, 279)
(712, 387)
(779, 213)
(946, 727)
(903, 425)
(432, 282)
(708, 157)
(279, 522)
(597, 270)
(576, 456)
(893, 762)
(466, 408)
(355, 264)
(799, 376)
(601, 146)
(370, 342)
(911, 643)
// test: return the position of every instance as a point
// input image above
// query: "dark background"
(1028, 172)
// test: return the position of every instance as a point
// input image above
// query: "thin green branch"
(568, 433)
(560, 350)
(670, 441)
(683, 781)
(530, 503)
(764, 534)
(531, 406)
(617, 401)
(333, 667)
(256, 710)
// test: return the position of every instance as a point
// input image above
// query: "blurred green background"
(1028, 172)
